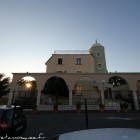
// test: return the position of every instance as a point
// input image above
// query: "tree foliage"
(117, 81)
(56, 86)
(4, 85)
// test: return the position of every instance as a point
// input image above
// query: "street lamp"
(103, 82)
(103, 92)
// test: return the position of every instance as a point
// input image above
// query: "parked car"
(101, 134)
(12, 120)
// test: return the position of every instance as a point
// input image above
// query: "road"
(50, 124)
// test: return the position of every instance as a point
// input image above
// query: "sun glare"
(28, 85)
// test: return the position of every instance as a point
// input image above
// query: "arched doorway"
(86, 88)
(26, 92)
(55, 91)
(120, 90)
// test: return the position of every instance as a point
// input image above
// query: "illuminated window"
(78, 90)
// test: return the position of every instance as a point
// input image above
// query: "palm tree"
(4, 85)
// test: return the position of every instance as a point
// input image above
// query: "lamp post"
(103, 91)
(103, 82)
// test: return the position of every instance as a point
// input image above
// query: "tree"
(4, 85)
(117, 81)
(56, 86)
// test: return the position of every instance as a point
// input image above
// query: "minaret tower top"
(97, 51)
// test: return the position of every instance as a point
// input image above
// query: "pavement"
(48, 124)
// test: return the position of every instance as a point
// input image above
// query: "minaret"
(97, 50)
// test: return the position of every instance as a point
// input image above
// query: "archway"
(120, 89)
(26, 92)
(86, 88)
(55, 91)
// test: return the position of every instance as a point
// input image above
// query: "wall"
(69, 63)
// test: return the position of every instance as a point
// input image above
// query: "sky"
(31, 30)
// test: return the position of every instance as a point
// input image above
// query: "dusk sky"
(31, 30)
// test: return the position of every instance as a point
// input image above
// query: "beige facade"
(71, 79)
(71, 63)
(86, 77)
(93, 62)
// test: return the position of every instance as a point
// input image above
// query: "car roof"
(103, 134)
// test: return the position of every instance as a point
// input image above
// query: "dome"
(97, 44)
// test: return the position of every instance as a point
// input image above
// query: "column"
(103, 92)
(70, 97)
(10, 98)
(135, 99)
(102, 96)
(38, 97)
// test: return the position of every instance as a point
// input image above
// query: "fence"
(68, 119)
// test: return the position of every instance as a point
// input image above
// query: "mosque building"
(86, 76)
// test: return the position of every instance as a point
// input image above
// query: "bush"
(101, 105)
(125, 105)
(78, 105)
